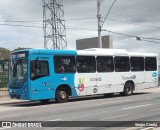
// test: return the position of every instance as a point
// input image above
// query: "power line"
(81, 19)
(22, 25)
(132, 23)
(88, 29)
(134, 36)
(38, 21)
(150, 41)
(108, 13)
(101, 2)
(82, 28)
(30, 26)
(129, 6)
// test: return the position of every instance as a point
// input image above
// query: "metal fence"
(3, 73)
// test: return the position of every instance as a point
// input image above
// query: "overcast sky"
(143, 13)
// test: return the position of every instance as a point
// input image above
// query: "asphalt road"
(142, 106)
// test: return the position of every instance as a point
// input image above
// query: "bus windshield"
(18, 72)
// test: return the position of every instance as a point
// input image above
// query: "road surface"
(142, 106)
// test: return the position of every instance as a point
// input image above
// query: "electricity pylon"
(54, 25)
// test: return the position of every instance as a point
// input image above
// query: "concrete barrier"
(4, 93)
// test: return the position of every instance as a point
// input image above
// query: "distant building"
(107, 42)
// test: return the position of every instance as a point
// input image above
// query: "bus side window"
(105, 64)
(150, 64)
(39, 69)
(86, 64)
(64, 64)
(122, 64)
(71, 66)
(137, 63)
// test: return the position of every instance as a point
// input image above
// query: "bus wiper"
(15, 67)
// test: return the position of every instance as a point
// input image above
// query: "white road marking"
(114, 117)
(10, 116)
(136, 107)
(155, 109)
(55, 120)
(149, 98)
(8, 109)
(52, 128)
(110, 103)
(149, 128)
(132, 128)
(5, 128)
(2, 109)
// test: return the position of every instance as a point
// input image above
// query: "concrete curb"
(149, 90)
(11, 101)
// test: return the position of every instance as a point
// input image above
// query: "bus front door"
(41, 83)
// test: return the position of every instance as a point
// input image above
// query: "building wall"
(107, 42)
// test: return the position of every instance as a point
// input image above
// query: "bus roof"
(115, 52)
(59, 52)
(89, 52)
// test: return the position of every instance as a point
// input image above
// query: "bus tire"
(62, 95)
(128, 89)
(44, 101)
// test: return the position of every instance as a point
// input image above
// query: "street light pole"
(99, 24)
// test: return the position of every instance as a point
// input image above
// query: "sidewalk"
(150, 90)
(3, 93)
(8, 101)
(5, 99)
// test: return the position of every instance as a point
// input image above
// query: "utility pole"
(99, 23)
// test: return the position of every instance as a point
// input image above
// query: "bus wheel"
(62, 95)
(128, 89)
(44, 101)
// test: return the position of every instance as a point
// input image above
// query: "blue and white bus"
(39, 74)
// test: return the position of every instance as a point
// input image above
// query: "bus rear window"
(150, 64)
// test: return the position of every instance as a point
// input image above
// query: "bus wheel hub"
(62, 94)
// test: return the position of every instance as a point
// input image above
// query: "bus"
(39, 74)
